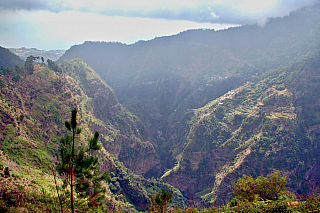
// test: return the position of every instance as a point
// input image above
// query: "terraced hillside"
(254, 129)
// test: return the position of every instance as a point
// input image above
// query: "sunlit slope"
(269, 123)
(33, 111)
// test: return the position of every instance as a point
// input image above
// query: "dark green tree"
(19, 69)
(16, 77)
(2, 84)
(79, 167)
(7, 71)
(28, 65)
(53, 66)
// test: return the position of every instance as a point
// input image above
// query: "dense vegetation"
(199, 110)
(33, 111)
(263, 194)
(251, 130)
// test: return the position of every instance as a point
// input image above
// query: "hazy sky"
(57, 24)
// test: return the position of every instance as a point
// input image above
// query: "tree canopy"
(270, 187)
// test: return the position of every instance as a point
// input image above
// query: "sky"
(57, 24)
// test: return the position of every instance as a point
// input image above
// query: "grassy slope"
(33, 111)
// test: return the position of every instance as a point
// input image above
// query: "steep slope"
(9, 59)
(123, 134)
(158, 80)
(33, 111)
(270, 123)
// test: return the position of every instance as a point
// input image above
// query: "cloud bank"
(29, 5)
(57, 24)
(216, 11)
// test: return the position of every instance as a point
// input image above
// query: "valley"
(208, 99)
(191, 113)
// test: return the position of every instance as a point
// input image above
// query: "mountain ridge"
(23, 53)
(166, 81)
(197, 110)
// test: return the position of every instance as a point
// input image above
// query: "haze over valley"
(195, 116)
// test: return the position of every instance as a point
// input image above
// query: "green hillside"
(181, 87)
(33, 111)
(254, 129)
(9, 59)
(196, 111)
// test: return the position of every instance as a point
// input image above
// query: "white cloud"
(125, 4)
(213, 14)
(249, 6)
(47, 30)
(59, 24)
(222, 11)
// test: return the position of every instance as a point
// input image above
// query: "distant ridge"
(23, 53)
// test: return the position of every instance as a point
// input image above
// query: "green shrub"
(280, 87)
(271, 187)
(161, 200)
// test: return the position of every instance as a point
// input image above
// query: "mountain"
(33, 111)
(195, 110)
(262, 126)
(123, 134)
(9, 59)
(219, 104)
(23, 53)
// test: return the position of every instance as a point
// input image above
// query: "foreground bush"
(271, 187)
(250, 197)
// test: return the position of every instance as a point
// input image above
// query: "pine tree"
(79, 168)
(28, 65)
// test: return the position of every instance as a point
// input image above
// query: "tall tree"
(18, 68)
(79, 168)
(28, 65)
(53, 66)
